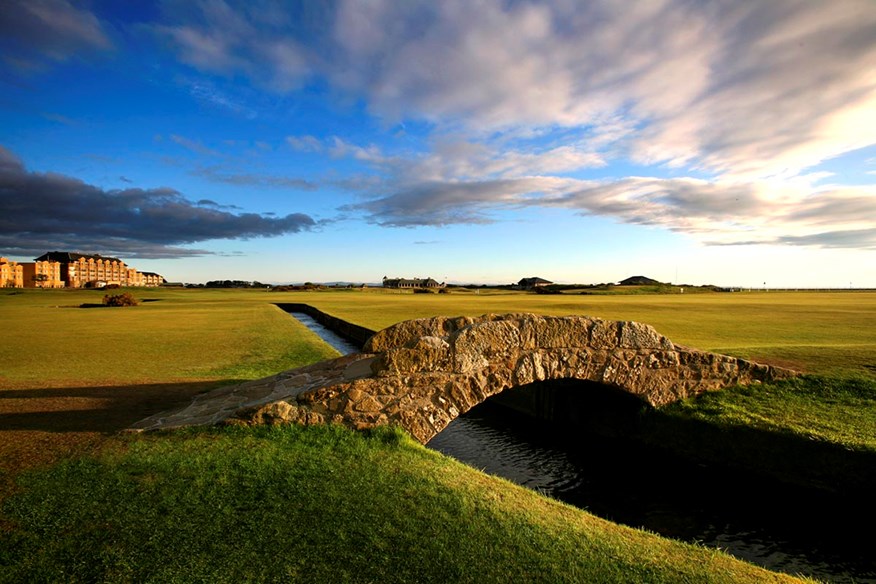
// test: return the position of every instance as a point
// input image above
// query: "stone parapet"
(421, 374)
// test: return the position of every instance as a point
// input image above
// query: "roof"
(71, 256)
(533, 281)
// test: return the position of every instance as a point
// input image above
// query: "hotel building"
(61, 269)
(11, 274)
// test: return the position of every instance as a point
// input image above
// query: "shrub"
(125, 299)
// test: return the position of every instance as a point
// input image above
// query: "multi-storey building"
(11, 274)
(42, 274)
(59, 269)
(151, 279)
(80, 270)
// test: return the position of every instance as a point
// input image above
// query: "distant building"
(411, 283)
(534, 282)
(42, 274)
(151, 279)
(87, 271)
(77, 270)
(11, 274)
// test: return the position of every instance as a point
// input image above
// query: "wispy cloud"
(214, 174)
(305, 143)
(743, 89)
(49, 30)
(49, 211)
(194, 145)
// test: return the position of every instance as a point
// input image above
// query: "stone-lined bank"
(423, 373)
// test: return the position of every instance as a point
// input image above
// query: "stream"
(775, 526)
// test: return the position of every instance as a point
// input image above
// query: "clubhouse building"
(62, 269)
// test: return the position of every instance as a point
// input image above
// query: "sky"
(720, 142)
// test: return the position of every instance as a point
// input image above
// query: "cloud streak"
(49, 211)
(52, 30)
(750, 89)
(256, 180)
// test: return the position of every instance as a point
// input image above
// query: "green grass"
(816, 408)
(818, 332)
(319, 504)
(172, 336)
(815, 431)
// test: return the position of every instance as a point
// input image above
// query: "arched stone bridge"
(421, 374)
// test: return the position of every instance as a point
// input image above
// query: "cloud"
(712, 211)
(305, 143)
(51, 30)
(252, 180)
(754, 89)
(250, 40)
(741, 89)
(39, 212)
(448, 203)
(193, 145)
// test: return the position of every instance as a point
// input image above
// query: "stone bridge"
(421, 374)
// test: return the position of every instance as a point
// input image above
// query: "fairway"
(186, 335)
(820, 332)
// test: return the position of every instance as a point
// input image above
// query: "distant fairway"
(820, 332)
(186, 335)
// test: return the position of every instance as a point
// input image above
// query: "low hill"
(639, 281)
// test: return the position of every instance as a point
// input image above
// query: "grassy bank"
(317, 505)
(814, 431)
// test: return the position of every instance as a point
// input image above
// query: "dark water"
(783, 529)
(787, 530)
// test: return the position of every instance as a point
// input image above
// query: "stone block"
(604, 334)
(635, 335)
(422, 354)
(559, 332)
(476, 345)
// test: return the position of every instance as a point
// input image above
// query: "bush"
(111, 287)
(125, 299)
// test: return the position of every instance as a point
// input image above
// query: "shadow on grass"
(93, 409)
(827, 467)
(41, 426)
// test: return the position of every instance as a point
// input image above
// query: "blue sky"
(722, 142)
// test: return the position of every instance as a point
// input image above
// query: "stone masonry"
(421, 374)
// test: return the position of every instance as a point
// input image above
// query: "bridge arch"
(421, 374)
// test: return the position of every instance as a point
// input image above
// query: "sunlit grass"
(171, 336)
(319, 504)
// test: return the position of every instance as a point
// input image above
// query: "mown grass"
(319, 504)
(813, 407)
(818, 332)
(813, 431)
(170, 337)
